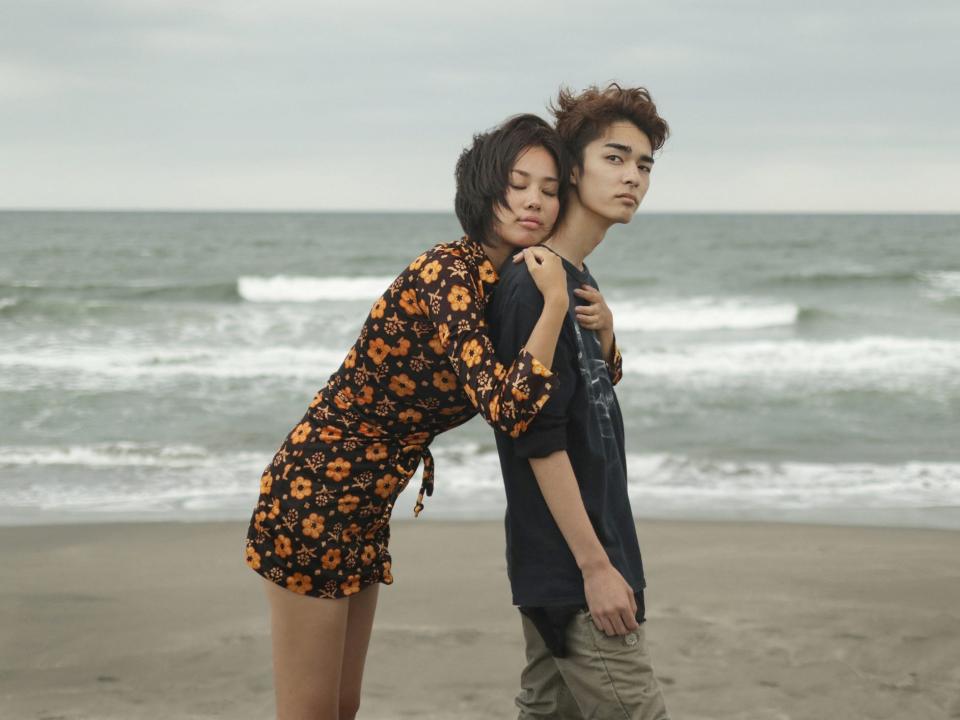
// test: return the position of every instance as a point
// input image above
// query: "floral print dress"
(422, 365)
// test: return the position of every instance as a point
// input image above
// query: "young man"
(572, 551)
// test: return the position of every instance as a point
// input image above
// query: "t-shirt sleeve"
(515, 315)
(508, 395)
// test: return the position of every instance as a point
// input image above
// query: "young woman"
(422, 365)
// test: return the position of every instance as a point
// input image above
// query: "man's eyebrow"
(549, 178)
(627, 149)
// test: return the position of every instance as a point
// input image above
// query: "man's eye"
(644, 168)
(614, 158)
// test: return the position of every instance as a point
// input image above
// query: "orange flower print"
(350, 533)
(377, 451)
(459, 298)
(417, 438)
(387, 575)
(443, 332)
(351, 585)
(351, 359)
(258, 519)
(436, 345)
(415, 265)
(338, 469)
(378, 350)
(330, 559)
(300, 433)
(299, 583)
(518, 394)
(519, 428)
(386, 486)
(487, 273)
(495, 407)
(472, 353)
(539, 368)
(274, 509)
(401, 348)
(444, 381)
(454, 410)
(378, 307)
(348, 503)
(317, 399)
(365, 396)
(402, 385)
(369, 430)
(470, 393)
(408, 301)
(282, 546)
(344, 398)
(330, 434)
(368, 555)
(431, 271)
(301, 487)
(252, 558)
(410, 415)
(266, 482)
(313, 526)
(499, 371)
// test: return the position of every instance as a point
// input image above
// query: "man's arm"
(610, 599)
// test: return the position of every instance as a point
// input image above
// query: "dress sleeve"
(509, 398)
(616, 367)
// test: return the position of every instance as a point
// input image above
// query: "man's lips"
(628, 196)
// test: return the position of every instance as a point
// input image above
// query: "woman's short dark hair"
(483, 171)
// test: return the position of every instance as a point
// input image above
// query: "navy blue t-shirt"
(582, 417)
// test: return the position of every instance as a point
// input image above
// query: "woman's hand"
(546, 269)
(595, 316)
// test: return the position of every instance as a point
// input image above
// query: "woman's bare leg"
(359, 625)
(308, 653)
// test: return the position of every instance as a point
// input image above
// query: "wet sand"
(745, 621)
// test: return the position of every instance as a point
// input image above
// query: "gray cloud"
(112, 103)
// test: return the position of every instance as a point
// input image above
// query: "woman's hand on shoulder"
(546, 269)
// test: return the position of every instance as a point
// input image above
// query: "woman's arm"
(508, 398)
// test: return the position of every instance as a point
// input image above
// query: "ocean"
(777, 367)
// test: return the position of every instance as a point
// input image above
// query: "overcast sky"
(802, 106)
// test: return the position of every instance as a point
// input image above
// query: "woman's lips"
(530, 223)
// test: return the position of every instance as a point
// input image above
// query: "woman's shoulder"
(456, 259)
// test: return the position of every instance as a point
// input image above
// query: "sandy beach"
(746, 621)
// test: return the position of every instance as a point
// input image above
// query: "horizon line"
(428, 211)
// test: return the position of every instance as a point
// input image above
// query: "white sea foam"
(91, 367)
(869, 361)
(942, 285)
(8, 302)
(298, 288)
(133, 481)
(701, 313)
(124, 455)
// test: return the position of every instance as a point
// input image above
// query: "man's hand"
(610, 600)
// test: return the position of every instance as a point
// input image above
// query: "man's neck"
(579, 233)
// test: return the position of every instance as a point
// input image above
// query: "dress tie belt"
(426, 484)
